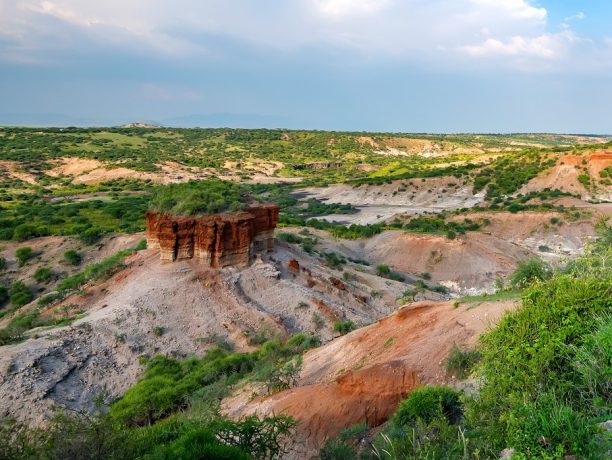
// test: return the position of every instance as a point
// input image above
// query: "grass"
(195, 198)
(506, 294)
(461, 362)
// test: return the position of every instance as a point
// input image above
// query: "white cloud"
(578, 16)
(522, 9)
(343, 8)
(438, 32)
(546, 46)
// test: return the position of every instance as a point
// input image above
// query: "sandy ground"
(362, 376)
(12, 169)
(378, 203)
(89, 171)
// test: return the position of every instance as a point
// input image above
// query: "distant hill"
(141, 124)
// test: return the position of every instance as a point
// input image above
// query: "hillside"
(392, 254)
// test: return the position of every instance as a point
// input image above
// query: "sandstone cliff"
(218, 240)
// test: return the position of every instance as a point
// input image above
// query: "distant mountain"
(228, 120)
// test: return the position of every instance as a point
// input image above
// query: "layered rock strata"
(218, 240)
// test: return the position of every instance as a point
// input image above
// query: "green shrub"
(289, 238)
(531, 359)
(20, 294)
(461, 362)
(24, 254)
(91, 235)
(24, 232)
(43, 274)
(334, 260)
(529, 271)
(82, 436)
(2, 263)
(383, 269)
(344, 327)
(317, 320)
(167, 385)
(528, 347)
(141, 246)
(428, 403)
(199, 197)
(593, 364)
(546, 427)
(334, 449)
(195, 442)
(72, 257)
(4, 295)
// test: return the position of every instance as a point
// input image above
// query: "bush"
(289, 238)
(592, 364)
(43, 274)
(546, 425)
(532, 359)
(141, 246)
(24, 232)
(428, 403)
(383, 269)
(344, 327)
(334, 260)
(461, 362)
(529, 271)
(334, 449)
(2, 263)
(317, 320)
(24, 254)
(91, 235)
(4, 296)
(72, 257)
(19, 294)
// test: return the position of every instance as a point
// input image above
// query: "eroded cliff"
(218, 240)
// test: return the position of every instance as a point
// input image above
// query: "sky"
(359, 65)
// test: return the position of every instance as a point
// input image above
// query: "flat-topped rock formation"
(218, 240)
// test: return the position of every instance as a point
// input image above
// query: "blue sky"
(384, 65)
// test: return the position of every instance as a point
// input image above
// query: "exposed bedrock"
(218, 240)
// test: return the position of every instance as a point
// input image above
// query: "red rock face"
(218, 240)
(293, 265)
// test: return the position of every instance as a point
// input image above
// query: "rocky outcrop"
(218, 240)
(293, 266)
